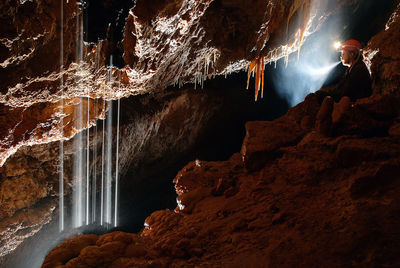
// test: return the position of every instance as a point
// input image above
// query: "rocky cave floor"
(317, 187)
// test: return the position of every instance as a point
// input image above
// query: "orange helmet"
(351, 45)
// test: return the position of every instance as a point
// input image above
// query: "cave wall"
(212, 37)
(316, 187)
(154, 128)
(30, 90)
(384, 57)
(157, 131)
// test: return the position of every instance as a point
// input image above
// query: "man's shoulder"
(360, 67)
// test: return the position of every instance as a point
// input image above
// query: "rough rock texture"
(30, 48)
(45, 122)
(384, 55)
(155, 130)
(172, 124)
(315, 188)
(182, 41)
(28, 189)
(307, 189)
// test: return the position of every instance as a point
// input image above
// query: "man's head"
(350, 52)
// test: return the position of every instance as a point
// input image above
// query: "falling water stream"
(78, 205)
(85, 201)
(108, 167)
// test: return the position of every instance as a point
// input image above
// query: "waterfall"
(117, 170)
(108, 185)
(78, 206)
(94, 178)
(102, 170)
(87, 163)
(93, 201)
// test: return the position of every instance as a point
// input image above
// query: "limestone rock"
(384, 56)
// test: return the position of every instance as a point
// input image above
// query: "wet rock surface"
(329, 173)
(384, 57)
(340, 188)
(165, 44)
(296, 175)
(157, 131)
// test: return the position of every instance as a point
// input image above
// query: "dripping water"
(108, 184)
(94, 178)
(78, 141)
(87, 206)
(102, 165)
(87, 161)
(117, 167)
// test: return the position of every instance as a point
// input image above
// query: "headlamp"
(337, 45)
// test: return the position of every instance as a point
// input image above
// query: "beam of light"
(309, 72)
(321, 71)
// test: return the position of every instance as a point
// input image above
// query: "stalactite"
(256, 68)
(303, 7)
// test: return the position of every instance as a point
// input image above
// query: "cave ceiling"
(47, 68)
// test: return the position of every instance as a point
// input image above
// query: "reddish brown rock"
(301, 196)
(69, 250)
(394, 129)
(264, 140)
(164, 44)
(323, 123)
(342, 189)
(25, 223)
(384, 56)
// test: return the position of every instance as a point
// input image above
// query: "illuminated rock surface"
(182, 41)
(304, 198)
(304, 193)
(296, 189)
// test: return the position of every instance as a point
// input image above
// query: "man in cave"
(356, 82)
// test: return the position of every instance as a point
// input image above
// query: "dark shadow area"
(100, 15)
(151, 187)
(368, 18)
(154, 189)
(106, 20)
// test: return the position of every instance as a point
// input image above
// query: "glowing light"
(322, 70)
(337, 45)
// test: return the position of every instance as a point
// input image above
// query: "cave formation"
(210, 174)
